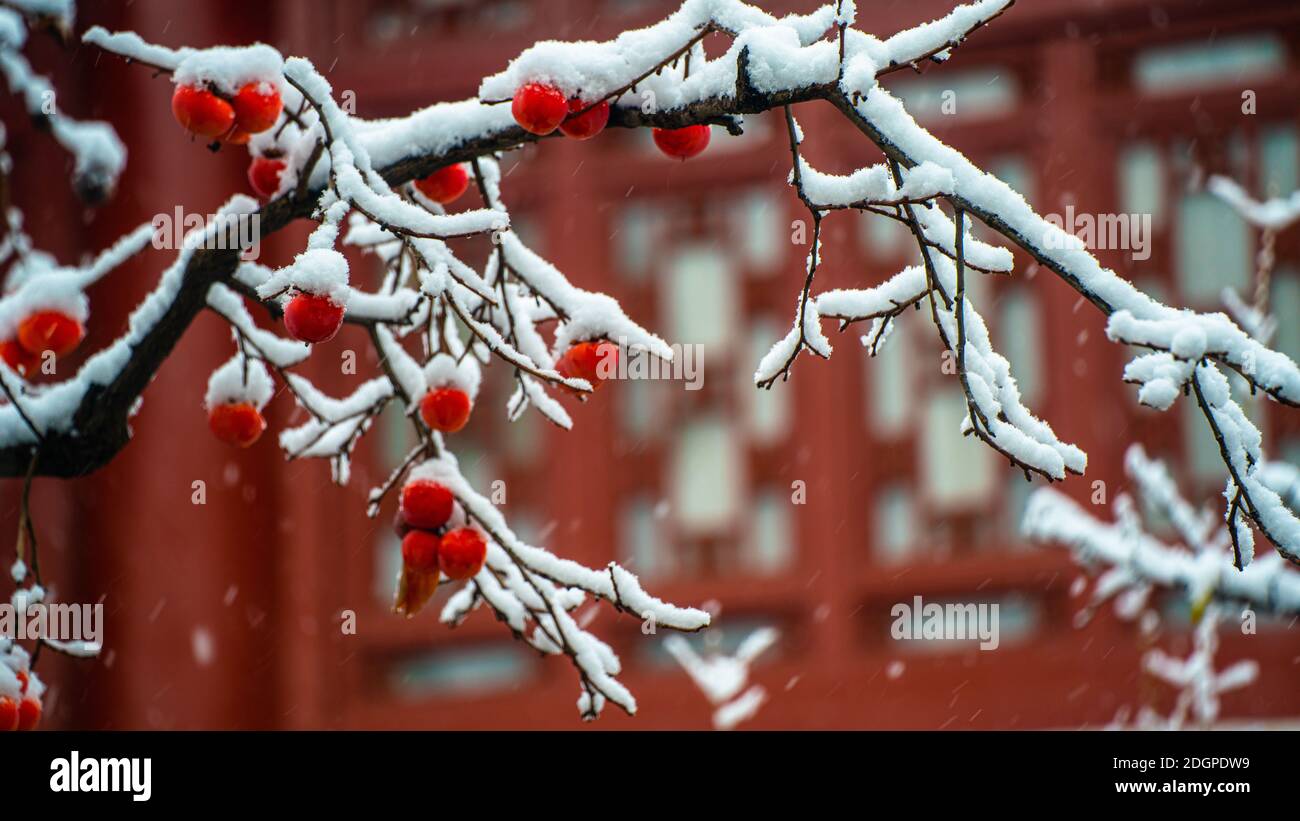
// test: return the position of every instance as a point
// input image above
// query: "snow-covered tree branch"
(1200, 564)
(386, 186)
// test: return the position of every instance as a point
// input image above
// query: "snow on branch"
(338, 169)
(527, 584)
(771, 63)
(98, 155)
(1201, 566)
(722, 678)
(1271, 215)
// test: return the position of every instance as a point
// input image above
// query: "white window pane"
(894, 527)
(1213, 248)
(706, 475)
(701, 297)
(643, 548)
(969, 94)
(1290, 451)
(525, 525)
(476, 466)
(882, 237)
(388, 564)
(957, 471)
(1286, 307)
(768, 411)
(1226, 61)
(1018, 618)
(1279, 156)
(1201, 447)
(637, 229)
(1017, 496)
(1015, 172)
(757, 223)
(889, 382)
(641, 403)
(1141, 181)
(770, 546)
(1155, 289)
(1020, 339)
(524, 438)
(474, 670)
(530, 232)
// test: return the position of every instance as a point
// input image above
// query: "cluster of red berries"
(252, 110)
(20, 714)
(428, 548)
(540, 109)
(42, 331)
(209, 113)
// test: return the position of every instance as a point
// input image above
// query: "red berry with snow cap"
(420, 550)
(426, 504)
(445, 185)
(462, 553)
(236, 423)
(50, 331)
(589, 123)
(201, 112)
(593, 361)
(313, 318)
(539, 108)
(682, 143)
(264, 176)
(445, 409)
(257, 106)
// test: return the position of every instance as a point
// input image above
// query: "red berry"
(462, 553)
(445, 409)
(264, 176)
(586, 125)
(313, 317)
(425, 504)
(539, 108)
(592, 361)
(201, 112)
(257, 106)
(8, 714)
(19, 358)
(237, 137)
(446, 184)
(420, 550)
(29, 714)
(682, 143)
(236, 423)
(50, 331)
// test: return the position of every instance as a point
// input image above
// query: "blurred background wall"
(227, 614)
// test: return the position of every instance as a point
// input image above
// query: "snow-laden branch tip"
(1201, 565)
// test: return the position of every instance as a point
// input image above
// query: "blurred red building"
(227, 614)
